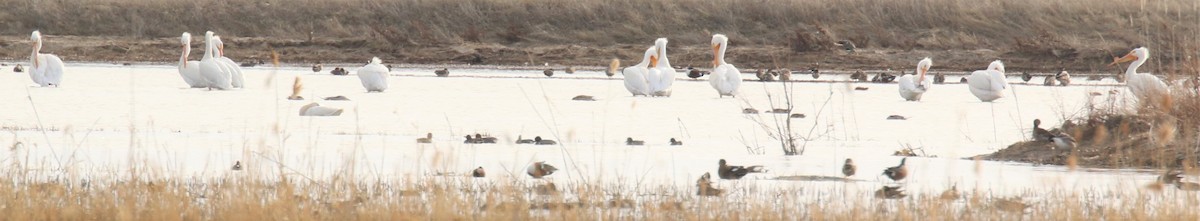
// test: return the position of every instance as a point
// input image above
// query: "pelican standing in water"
(47, 69)
(189, 70)
(724, 77)
(215, 76)
(988, 85)
(661, 85)
(635, 76)
(912, 89)
(374, 76)
(235, 71)
(1142, 85)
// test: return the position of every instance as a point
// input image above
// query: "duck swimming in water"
(730, 172)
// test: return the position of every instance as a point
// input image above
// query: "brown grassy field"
(1031, 35)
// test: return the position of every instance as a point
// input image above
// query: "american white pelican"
(374, 76)
(660, 85)
(211, 70)
(315, 109)
(1143, 85)
(911, 89)
(190, 70)
(47, 69)
(235, 71)
(635, 76)
(724, 77)
(988, 85)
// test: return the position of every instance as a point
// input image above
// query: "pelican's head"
(36, 36)
(923, 66)
(376, 60)
(1137, 54)
(996, 66)
(185, 39)
(661, 43)
(718, 41)
(208, 35)
(651, 56)
(220, 45)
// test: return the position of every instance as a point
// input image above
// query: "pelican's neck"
(662, 57)
(721, 53)
(208, 47)
(37, 47)
(1134, 66)
(187, 49)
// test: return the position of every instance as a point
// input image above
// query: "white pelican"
(210, 69)
(47, 69)
(315, 109)
(661, 85)
(235, 71)
(1142, 85)
(190, 70)
(374, 76)
(988, 85)
(724, 77)
(912, 89)
(635, 76)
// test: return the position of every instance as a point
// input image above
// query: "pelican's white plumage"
(660, 85)
(636, 76)
(190, 70)
(235, 71)
(47, 69)
(724, 77)
(912, 87)
(1143, 85)
(214, 76)
(988, 85)
(315, 109)
(374, 76)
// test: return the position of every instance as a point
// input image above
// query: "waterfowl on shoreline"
(725, 78)
(1040, 134)
(1064, 78)
(1025, 76)
(636, 76)
(704, 186)
(890, 192)
(478, 172)
(815, 72)
(613, 66)
(962, 80)
(1050, 81)
(913, 86)
(1171, 177)
(539, 141)
(730, 172)
(297, 86)
(990, 84)
(939, 78)
(548, 72)
(339, 71)
(859, 75)
(848, 168)
(374, 76)
(570, 70)
(316, 67)
(540, 169)
(47, 70)
(898, 172)
(676, 142)
(18, 68)
(427, 139)
(786, 74)
(442, 73)
(765, 76)
(519, 140)
(1063, 141)
(694, 73)
(237, 165)
(631, 142)
(1143, 85)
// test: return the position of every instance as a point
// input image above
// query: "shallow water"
(105, 118)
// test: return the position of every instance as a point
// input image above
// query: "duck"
(1063, 141)
(890, 192)
(859, 75)
(785, 74)
(18, 68)
(297, 86)
(846, 45)
(540, 169)
(797, 116)
(316, 67)
(939, 78)
(694, 73)
(252, 63)
(962, 80)
(315, 109)
(898, 172)
(848, 168)
(570, 70)
(539, 141)
(478, 172)
(704, 186)
(676, 142)
(1025, 76)
(521, 141)
(1171, 177)
(237, 165)
(442, 73)
(480, 139)
(1050, 81)
(1064, 78)
(613, 66)
(427, 139)
(548, 72)
(764, 76)
(749, 111)
(339, 71)
(469, 140)
(729, 172)
(631, 142)
(1040, 134)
